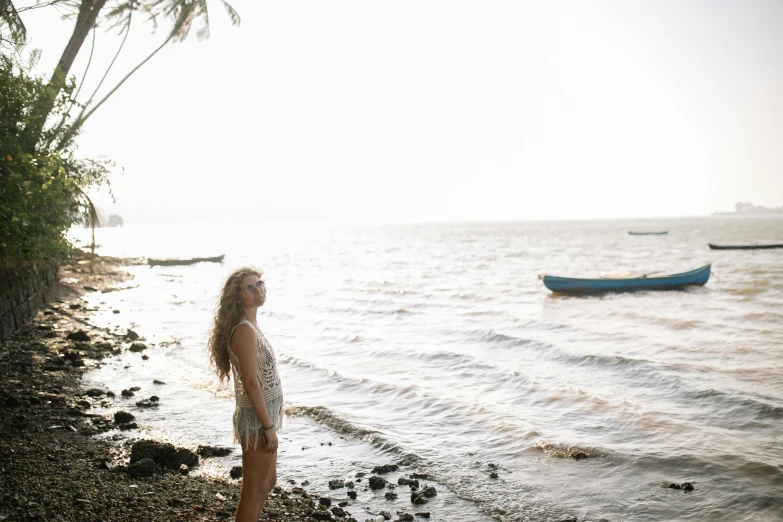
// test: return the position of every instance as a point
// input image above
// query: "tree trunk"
(88, 14)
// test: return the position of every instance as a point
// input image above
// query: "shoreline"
(54, 466)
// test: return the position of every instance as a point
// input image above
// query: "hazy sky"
(444, 110)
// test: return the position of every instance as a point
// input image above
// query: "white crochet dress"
(246, 422)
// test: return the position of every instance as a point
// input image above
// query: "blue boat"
(624, 284)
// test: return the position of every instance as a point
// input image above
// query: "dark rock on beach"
(386, 468)
(122, 417)
(336, 484)
(417, 497)
(377, 482)
(79, 335)
(213, 451)
(138, 347)
(429, 492)
(163, 453)
(145, 467)
(236, 472)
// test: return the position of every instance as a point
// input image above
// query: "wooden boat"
(655, 233)
(745, 247)
(629, 283)
(176, 262)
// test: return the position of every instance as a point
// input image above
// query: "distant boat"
(655, 233)
(627, 283)
(176, 262)
(745, 247)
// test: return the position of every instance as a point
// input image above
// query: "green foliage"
(42, 189)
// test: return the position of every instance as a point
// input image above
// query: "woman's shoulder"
(243, 333)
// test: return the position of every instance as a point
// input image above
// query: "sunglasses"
(259, 284)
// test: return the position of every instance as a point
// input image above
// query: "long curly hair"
(227, 316)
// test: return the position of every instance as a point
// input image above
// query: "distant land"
(749, 209)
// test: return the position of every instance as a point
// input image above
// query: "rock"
(138, 347)
(405, 517)
(413, 483)
(94, 392)
(493, 475)
(422, 476)
(352, 495)
(146, 403)
(134, 388)
(429, 491)
(377, 482)
(74, 306)
(145, 467)
(349, 485)
(110, 394)
(423, 514)
(156, 381)
(386, 468)
(163, 454)
(343, 504)
(122, 417)
(154, 398)
(336, 484)
(115, 311)
(128, 426)
(145, 357)
(131, 335)
(418, 498)
(321, 515)
(127, 393)
(79, 335)
(183, 469)
(236, 472)
(212, 451)
(338, 511)
(325, 501)
(686, 486)
(391, 495)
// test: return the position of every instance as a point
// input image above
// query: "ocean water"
(438, 342)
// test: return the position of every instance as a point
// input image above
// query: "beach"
(436, 348)
(55, 464)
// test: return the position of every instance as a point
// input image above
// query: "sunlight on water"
(439, 342)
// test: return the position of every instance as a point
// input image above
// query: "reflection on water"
(439, 342)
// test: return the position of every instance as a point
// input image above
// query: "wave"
(341, 425)
(567, 451)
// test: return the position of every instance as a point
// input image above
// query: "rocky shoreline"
(55, 468)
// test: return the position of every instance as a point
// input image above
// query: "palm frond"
(232, 13)
(9, 16)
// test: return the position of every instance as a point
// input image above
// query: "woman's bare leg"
(256, 466)
(268, 482)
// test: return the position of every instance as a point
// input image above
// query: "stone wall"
(22, 292)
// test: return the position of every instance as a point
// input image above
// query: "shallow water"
(439, 342)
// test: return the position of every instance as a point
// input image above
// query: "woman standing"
(238, 347)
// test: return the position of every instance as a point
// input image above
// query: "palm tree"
(183, 15)
(9, 17)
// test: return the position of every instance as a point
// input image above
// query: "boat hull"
(668, 282)
(182, 262)
(744, 247)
